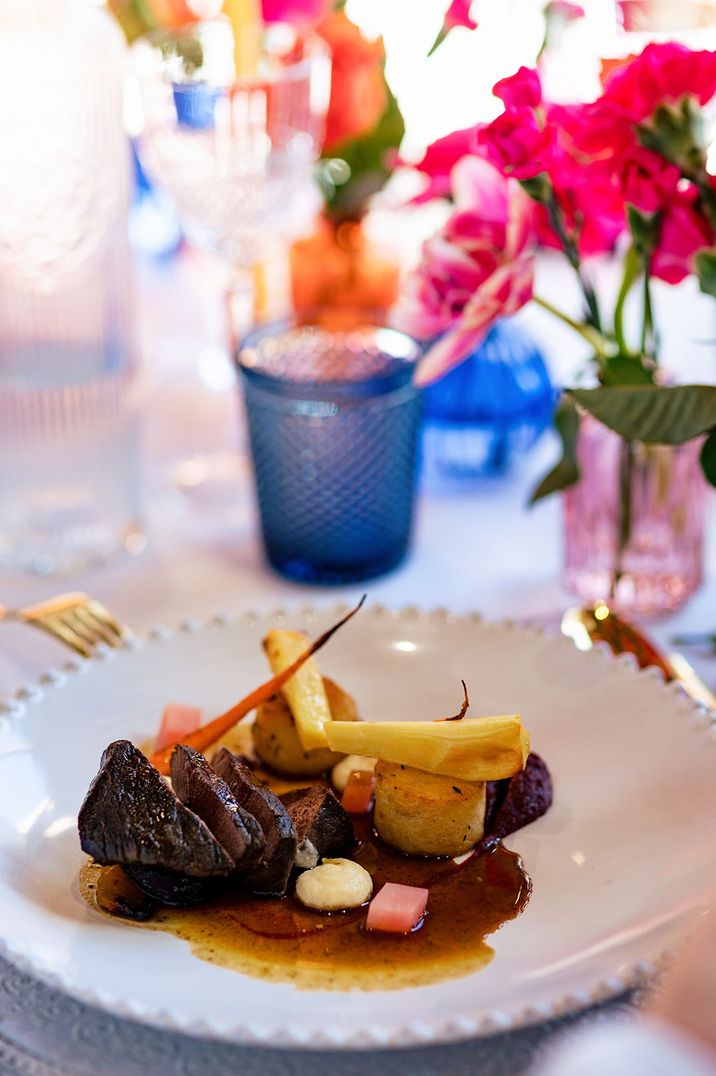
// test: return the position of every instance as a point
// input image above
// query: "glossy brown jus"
(283, 941)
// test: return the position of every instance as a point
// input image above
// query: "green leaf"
(644, 228)
(652, 413)
(621, 370)
(708, 458)
(705, 263)
(366, 161)
(566, 471)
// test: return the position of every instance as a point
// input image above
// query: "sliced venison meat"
(269, 877)
(130, 815)
(202, 790)
(170, 887)
(322, 825)
(528, 796)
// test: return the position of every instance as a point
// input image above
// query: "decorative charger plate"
(619, 865)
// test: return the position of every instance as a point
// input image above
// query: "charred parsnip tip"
(474, 749)
(204, 737)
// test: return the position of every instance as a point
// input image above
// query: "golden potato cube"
(426, 813)
(304, 692)
(275, 735)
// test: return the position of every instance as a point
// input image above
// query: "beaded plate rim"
(412, 1033)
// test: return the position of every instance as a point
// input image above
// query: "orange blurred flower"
(358, 92)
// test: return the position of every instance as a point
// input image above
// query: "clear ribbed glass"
(68, 452)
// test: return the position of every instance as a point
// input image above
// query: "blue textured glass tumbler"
(333, 421)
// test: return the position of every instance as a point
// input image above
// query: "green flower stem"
(632, 267)
(572, 252)
(624, 524)
(597, 341)
(648, 337)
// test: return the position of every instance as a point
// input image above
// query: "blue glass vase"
(487, 411)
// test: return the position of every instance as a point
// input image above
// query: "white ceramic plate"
(619, 865)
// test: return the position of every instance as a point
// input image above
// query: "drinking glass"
(69, 489)
(235, 156)
(333, 421)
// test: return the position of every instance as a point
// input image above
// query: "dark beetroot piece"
(269, 877)
(528, 797)
(322, 825)
(201, 789)
(131, 816)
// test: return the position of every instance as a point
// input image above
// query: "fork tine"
(99, 629)
(57, 627)
(102, 613)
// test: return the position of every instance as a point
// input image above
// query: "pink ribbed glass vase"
(660, 564)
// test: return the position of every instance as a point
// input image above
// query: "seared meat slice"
(269, 876)
(529, 796)
(322, 825)
(169, 887)
(130, 815)
(202, 790)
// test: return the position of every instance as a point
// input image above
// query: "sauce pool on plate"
(281, 940)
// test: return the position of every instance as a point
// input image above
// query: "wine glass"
(235, 155)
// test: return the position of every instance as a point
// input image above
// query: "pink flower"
(683, 232)
(521, 90)
(648, 181)
(518, 144)
(440, 158)
(565, 10)
(478, 268)
(295, 11)
(663, 72)
(458, 14)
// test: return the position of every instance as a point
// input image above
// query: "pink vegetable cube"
(397, 908)
(177, 722)
(358, 793)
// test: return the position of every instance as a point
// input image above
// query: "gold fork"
(76, 619)
(586, 626)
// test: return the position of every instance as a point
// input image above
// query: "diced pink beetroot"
(397, 908)
(357, 796)
(177, 721)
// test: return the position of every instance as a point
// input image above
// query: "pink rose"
(521, 90)
(683, 232)
(458, 14)
(478, 268)
(518, 144)
(663, 72)
(440, 158)
(297, 12)
(648, 181)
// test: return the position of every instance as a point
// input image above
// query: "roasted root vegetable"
(426, 813)
(397, 909)
(275, 736)
(304, 691)
(204, 737)
(177, 721)
(473, 749)
(358, 794)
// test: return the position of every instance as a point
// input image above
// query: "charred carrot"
(204, 737)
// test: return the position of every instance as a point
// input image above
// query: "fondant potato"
(276, 740)
(426, 813)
